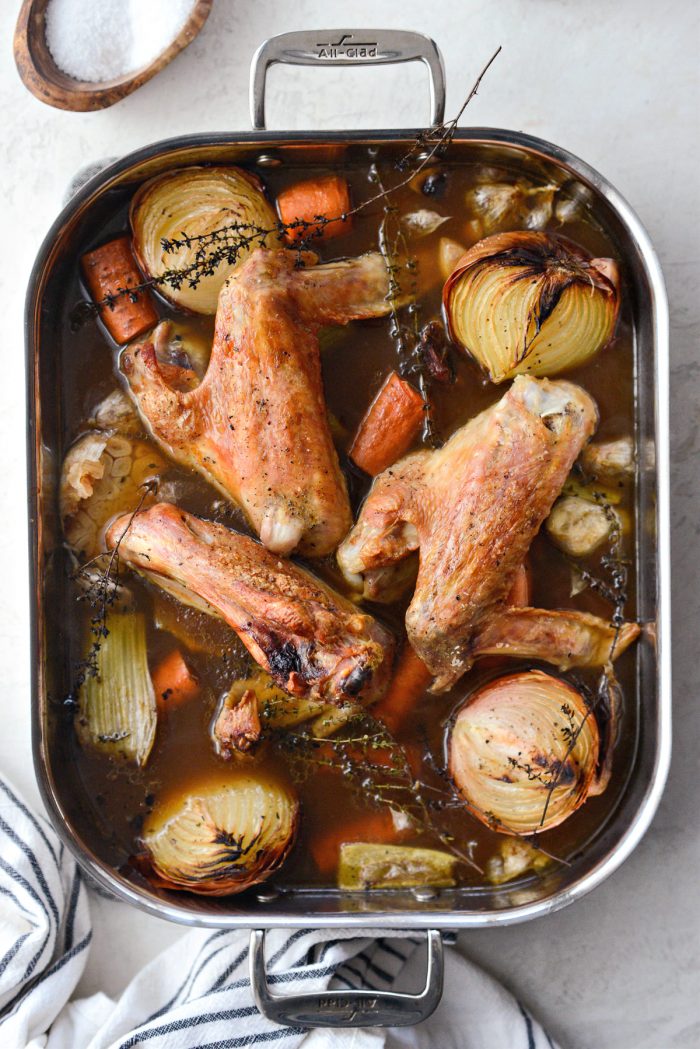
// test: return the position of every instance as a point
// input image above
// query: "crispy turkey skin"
(257, 427)
(310, 640)
(471, 509)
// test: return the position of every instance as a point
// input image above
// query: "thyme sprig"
(435, 140)
(101, 589)
(404, 308)
(383, 784)
(613, 588)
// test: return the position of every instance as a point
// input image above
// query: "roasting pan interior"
(629, 810)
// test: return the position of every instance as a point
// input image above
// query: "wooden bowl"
(48, 83)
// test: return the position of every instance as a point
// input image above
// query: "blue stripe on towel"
(528, 1026)
(254, 1039)
(72, 906)
(9, 955)
(19, 879)
(34, 864)
(32, 819)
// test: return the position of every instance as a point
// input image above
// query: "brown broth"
(355, 362)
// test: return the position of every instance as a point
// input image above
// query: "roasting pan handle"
(343, 47)
(361, 1008)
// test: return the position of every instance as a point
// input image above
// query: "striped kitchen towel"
(197, 993)
(44, 922)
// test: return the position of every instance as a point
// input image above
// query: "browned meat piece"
(471, 509)
(561, 637)
(311, 641)
(256, 427)
(237, 726)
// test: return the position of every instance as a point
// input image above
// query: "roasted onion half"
(193, 203)
(523, 752)
(223, 836)
(531, 302)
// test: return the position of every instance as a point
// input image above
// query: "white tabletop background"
(615, 83)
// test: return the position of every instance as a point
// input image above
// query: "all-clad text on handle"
(340, 47)
(361, 1008)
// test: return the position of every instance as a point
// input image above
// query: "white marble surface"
(618, 85)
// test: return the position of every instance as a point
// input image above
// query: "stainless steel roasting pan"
(451, 909)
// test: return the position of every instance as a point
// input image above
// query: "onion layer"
(531, 302)
(193, 202)
(117, 705)
(222, 837)
(523, 752)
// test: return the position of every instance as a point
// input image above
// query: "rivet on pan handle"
(342, 47)
(361, 1008)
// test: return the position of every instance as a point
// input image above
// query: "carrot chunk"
(390, 426)
(306, 202)
(410, 680)
(107, 271)
(173, 681)
(371, 826)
